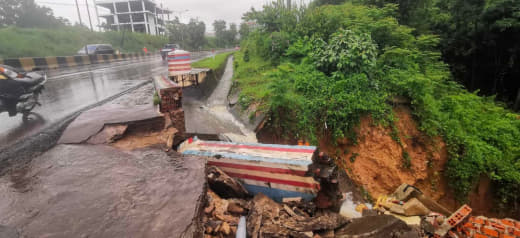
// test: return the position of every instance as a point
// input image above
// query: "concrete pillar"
(116, 18)
(145, 18)
(156, 21)
(131, 19)
(97, 15)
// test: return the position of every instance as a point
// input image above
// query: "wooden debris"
(224, 185)
(271, 219)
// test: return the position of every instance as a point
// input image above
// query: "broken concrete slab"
(414, 207)
(99, 191)
(403, 192)
(135, 106)
(108, 134)
(91, 122)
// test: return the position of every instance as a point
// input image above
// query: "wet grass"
(249, 77)
(212, 62)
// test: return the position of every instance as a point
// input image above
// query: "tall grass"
(32, 42)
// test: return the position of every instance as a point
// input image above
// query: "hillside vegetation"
(317, 71)
(67, 40)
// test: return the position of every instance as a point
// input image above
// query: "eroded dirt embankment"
(377, 164)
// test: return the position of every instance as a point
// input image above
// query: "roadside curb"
(55, 62)
(58, 62)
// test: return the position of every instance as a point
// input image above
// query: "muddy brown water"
(99, 191)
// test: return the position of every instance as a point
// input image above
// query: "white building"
(133, 15)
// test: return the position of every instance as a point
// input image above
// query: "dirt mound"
(380, 163)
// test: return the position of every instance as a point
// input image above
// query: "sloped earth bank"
(376, 163)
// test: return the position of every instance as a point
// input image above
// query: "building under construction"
(133, 15)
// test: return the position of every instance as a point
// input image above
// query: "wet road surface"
(69, 90)
(100, 191)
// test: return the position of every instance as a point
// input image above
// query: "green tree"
(190, 36)
(244, 30)
(26, 13)
(231, 35)
(219, 26)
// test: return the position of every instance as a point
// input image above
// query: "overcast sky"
(206, 10)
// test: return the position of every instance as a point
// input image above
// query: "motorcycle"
(20, 91)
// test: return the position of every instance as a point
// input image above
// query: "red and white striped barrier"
(179, 62)
(278, 171)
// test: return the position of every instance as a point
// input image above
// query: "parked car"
(96, 49)
(167, 48)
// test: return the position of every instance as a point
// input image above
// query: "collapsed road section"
(115, 173)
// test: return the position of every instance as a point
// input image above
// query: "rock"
(397, 209)
(309, 234)
(225, 186)
(409, 220)
(427, 227)
(415, 208)
(221, 208)
(210, 208)
(224, 227)
(403, 192)
(235, 208)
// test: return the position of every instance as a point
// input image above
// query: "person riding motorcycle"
(16, 87)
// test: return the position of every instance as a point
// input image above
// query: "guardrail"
(55, 62)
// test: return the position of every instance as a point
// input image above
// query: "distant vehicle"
(97, 49)
(167, 48)
(19, 91)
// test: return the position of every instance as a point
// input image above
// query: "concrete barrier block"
(71, 62)
(27, 64)
(52, 62)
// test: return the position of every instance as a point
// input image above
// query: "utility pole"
(79, 15)
(89, 19)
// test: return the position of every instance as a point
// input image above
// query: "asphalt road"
(70, 90)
